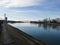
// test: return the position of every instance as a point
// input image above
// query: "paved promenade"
(13, 36)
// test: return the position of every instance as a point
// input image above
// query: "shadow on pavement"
(1, 34)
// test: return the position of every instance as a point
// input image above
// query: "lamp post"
(5, 18)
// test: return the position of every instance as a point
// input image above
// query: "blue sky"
(30, 9)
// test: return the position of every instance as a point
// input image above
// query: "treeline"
(48, 21)
(15, 21)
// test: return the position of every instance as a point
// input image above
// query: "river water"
(47, 33)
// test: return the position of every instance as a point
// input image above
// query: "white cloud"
(20, 3)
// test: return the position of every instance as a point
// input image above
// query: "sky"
(30, 9)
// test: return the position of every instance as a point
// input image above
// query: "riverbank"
(57, 24)
(22, 37)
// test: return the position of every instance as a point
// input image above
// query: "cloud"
(20, 3)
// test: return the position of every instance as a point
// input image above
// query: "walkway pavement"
(7, 37)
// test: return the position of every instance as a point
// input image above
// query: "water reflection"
(46, 26)
(47, 33)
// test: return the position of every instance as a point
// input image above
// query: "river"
(47, 33)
